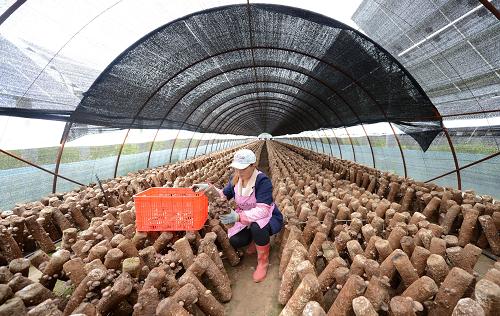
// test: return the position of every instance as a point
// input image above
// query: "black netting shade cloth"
(248, 69)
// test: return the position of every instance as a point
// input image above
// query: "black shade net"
(249, 69)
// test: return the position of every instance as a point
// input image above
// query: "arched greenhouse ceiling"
(248, 68)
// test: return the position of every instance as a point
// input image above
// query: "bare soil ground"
(250, 298)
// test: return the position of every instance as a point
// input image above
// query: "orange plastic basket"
(170, 209)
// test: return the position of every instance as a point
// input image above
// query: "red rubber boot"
(262, 262)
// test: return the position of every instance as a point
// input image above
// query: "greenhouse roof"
(243, 68)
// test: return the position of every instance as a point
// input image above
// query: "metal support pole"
(120, 153)
(196, 151)
(350, 140)
(309, 141)
(64, 137)
(38, 167)
(369, 143)
(11, 10)
(173, 146)
(329, 143)
(212, 145)
(491, 8)
(338, 143)
(452, 148)
(400, 149)
(322, 146)
(305, 143)
(315, 143)
(189, 146)
(465, 166)
(151, 148)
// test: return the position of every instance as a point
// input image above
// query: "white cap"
(243, 158)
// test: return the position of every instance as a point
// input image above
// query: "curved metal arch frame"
(338, 25)
(189, 145)
(64, 138)
(168, 112)
(321, 140)
(301, 142)
(311, 139)
(354, 154)
(330, 65)
(269, 81)
(454, 154)
(310, 142)
(328, 139)
(310, 93)
(151, 147)
(120, 153)
(211, 146)
(446, 133)
(312, 57)
(253, 99)
(268, 90)
(338, 143)
(278, 106)
(227, 122)
(299, 53)
(274, 81)
(268, 48)
(210, 143)
(298, 141)
(363, 128)
(272, 101)
(309, 75)
(198, 146)
(304, 142)
(307, 144)
(173, 146)
(352, 145)
(236, 121)
(315, 143)
(251, 103)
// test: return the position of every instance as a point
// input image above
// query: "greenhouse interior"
(223, 157)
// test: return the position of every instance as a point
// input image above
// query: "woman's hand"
(200, 187)
(229, 218)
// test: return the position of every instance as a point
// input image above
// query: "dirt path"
(250, 298)
(264, 161)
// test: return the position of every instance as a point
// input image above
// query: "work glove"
(229, 218)
(200, 187)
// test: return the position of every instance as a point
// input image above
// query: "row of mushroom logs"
(356, 241)
(346, 250)
(40, 224)
(103, 265)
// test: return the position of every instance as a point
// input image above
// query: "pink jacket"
(249, 210)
